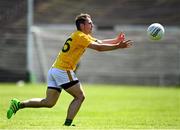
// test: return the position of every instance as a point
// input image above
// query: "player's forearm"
(119, 38)
(109, 41)
(107, 47)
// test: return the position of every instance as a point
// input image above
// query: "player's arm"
(108, 47)
(119, 38)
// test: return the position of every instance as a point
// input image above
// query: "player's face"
(88, 26)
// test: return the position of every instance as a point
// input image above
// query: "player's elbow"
(50, 105)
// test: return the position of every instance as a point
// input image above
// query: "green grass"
(113, 107)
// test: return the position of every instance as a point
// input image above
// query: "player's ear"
(81, 26)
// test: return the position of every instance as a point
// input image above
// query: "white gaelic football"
(155, 31)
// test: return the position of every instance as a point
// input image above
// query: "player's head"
(84, 23)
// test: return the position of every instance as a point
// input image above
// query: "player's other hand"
(125, 44)
(120, 37)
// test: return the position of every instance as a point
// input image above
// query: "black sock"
(21, 105)
(68, 122)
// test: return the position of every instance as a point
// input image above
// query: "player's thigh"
(52, 95)
(76, 91)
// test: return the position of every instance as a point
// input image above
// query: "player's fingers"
(128, 41)
(129, 45)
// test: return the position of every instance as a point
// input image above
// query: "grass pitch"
(105, 107)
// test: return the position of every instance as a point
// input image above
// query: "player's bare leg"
(52, 96)
(77, 92)
(50, 100)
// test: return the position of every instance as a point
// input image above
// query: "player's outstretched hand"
(125, 44)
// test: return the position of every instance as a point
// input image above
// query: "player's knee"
(81, 97)
(50, 105)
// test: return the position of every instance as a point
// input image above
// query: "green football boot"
(14, 107)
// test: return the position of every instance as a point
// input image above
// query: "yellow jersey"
(72, 51)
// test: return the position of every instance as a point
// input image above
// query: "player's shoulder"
(79, 35)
